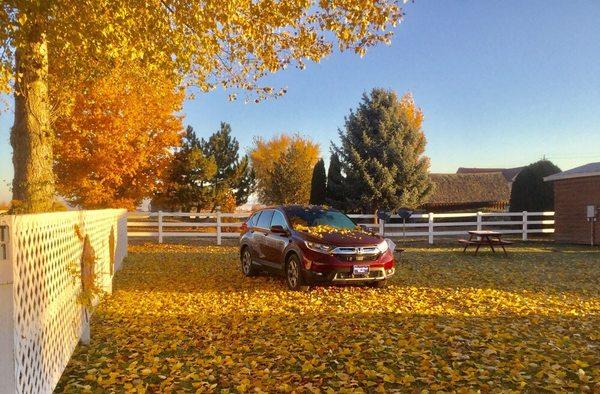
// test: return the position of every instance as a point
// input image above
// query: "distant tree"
(280, 165)
(191, 140)
(224, 149)
(234, 176)
(246, 182)
(530, 192)
(318, 185)
(381, 152)
(206, 174)
(116, 138)
(334, 195)
(290, 180)
(189, 178)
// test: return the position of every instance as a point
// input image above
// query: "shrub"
(530, 192)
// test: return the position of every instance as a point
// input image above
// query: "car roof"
(306, 207)
(284, 208)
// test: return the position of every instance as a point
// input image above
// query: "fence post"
(160, 227)
(479, 221)
(8, 383)
(381, 227)
(430, 228)
(218, 225)
(524, 225)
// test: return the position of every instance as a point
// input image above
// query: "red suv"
(313, 244)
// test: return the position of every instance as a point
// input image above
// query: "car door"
(250, 234)
(260, 232)
(275, 244)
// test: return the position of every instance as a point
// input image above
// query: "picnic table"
(477, 238)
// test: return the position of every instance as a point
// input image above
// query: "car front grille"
(356, 254)
(356, 257)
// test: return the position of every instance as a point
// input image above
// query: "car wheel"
(379, 284)
(293, 275)
(248, 267)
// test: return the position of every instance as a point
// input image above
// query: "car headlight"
(317, 247)
(383, 246)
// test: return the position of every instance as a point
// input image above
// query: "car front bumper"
(325, 268)
(345, 275)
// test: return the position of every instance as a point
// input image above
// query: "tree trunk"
(31, 136)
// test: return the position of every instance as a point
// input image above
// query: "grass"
(183, 318)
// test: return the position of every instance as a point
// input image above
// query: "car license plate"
(360, 270)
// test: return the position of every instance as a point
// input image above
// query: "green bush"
(530, 192)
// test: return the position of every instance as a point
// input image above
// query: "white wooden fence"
(41, 320)
(217, 225)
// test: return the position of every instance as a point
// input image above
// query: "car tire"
(379, 284)
(248, 266)
(293, 274)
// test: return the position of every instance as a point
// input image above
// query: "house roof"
(469, 188)
(509, 173)
(590, 169)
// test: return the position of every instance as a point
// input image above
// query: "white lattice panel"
(47, 318)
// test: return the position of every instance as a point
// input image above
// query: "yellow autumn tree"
(283, 168)
(228, 43)
(114, 140)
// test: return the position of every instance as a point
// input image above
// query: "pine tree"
(190, 140)
(224, 149)
(529, 191)
(381, 152)
(334, 195)
(245, 183)
(188, 183)
(318, 185)
(233, 174)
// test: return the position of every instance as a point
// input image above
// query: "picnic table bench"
(485, 238)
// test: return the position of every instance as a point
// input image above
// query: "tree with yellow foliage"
(283, 168)
(228, 43)
(116, 138)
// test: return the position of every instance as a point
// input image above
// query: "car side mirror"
(278, 229)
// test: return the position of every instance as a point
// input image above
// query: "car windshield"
(314, 216)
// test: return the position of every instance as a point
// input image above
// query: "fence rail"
(218, 225)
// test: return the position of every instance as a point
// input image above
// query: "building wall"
(571, 196)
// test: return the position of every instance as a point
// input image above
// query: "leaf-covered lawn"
(183, 318)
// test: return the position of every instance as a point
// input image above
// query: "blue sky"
(501, 84)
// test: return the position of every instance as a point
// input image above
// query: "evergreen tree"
(529, 191)
(245, 183)
(233, 175)
(318, 185)
(224, 149)
(334, 195)
(381, 152)
(188, 183)
(190, 140)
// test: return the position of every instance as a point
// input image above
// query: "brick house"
(574, 191)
